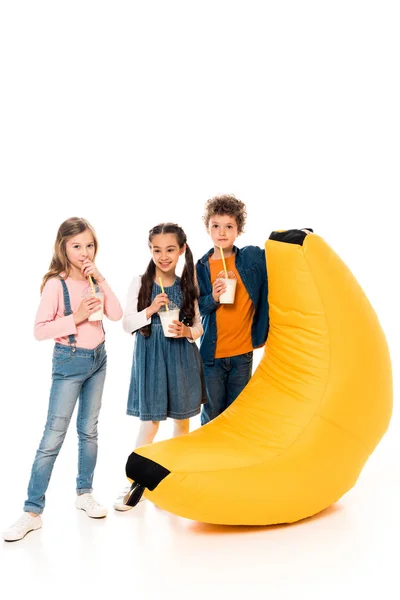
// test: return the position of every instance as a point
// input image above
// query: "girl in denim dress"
(167, 377)
(79, 367)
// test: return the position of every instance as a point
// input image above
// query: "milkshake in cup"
(98, 314)
(228, 297)
(167, 316)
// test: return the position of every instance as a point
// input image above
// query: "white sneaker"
(88, 503)
(120, 500)
(20, 528)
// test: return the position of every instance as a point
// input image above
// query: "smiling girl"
(167, 373)
(79, 367)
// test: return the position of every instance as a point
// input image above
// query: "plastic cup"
(167, 316)
(98, 314)
(228, 297)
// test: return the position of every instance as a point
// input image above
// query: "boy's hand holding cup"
(229, 279)
(219, 288)
(227, 282)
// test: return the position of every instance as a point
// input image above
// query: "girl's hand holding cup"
(159, 301)
(88, 306)
(180, 330)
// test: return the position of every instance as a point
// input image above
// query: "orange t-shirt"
(233, 320)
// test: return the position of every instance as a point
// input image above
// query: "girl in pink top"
(79, 367)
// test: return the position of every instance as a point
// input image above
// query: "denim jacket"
(251, 265)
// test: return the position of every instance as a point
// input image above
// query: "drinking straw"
(162, 289)
(92, 285)
(223, 262)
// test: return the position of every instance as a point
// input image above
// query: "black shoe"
(134, 494)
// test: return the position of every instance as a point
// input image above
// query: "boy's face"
(223, 231)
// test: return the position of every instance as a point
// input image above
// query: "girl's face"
(78, 248)
(223, 231)
(166, 252)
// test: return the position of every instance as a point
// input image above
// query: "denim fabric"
(167, 377)
(225, 380)
(251, 266)
(77, 373)
(68, 310)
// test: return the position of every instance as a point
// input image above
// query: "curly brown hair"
(227, 204)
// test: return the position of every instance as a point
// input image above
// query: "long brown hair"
(189, 288)
(59, 262)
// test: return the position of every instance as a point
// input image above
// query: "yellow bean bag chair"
(297, 437)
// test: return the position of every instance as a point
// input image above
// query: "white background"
(131, 113)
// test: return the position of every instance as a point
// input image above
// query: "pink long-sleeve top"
(50, 322)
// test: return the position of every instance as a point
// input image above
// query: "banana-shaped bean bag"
(297, 437)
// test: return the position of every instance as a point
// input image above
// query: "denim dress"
(167, 378)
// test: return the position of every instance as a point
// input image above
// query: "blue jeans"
(75, 374)
(225, 380)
